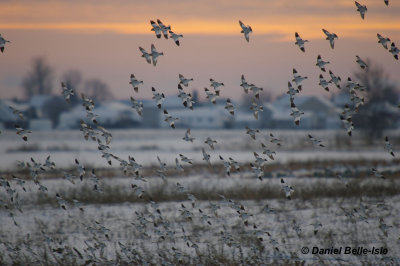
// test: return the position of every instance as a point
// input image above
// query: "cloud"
(198, 17)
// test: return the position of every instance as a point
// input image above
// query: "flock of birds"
(93, 131)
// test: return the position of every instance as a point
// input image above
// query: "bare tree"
(379, 112)
(40, 79)
(97, 90)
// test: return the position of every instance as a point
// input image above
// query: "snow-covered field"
(146, 145)
(199, 216)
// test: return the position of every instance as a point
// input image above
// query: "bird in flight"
(184, 81)
(382, 40)
(335, 79)
(394, 50)
(321, 63)
(156, 28)
(246, 30)
(361, 8)
(2, 43)
(154, 54)
(300, 42)
(388, 146)
(66, 92)
(164, 29)
(135, 83)
(331, 37)
(175, 37)
(145, 54)
(361, 62)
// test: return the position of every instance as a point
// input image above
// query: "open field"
(199, 215)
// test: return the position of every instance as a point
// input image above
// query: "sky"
(101, 39)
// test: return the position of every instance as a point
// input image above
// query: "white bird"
(184, 81)
(252, 132)
(156, 28)
(347, 124)
(259, 160)
(2, 43)
(135, 83)
(88, 103)
(66, 92)
(256, 91)
(323, 83)
(357, 100)
(69, 177)
(164, 28)
(206, 156)
(353, 86)
(185, 159)
(234, 164)
(315, 141)
(178, 166)
(154, 54)
(246, 86)
(145, 54)
(298, 79)
(335, 79)
(321, 63)
(382, 40)
(61, 201)
(169, 119)
(256, 109)
(175, 37)
(138, 191)
(377, 173)
(227, 165)
(257, 170)
(216, 85)
(187, 136)
(291, 90)
(362, 64)
(186, 98)
(287, 189)
(17, 113)
(91, 116)
(246, 30)
(394, 51)
(229, 107)
(158, 97)
(331, 37)
(210, 142)
(361, 8)
(106, 134)
(316, 225)
(342, 179)
(22, 132)
(163, 166)
(81, 169)
(300, 42)
(296, 113)
(275, 140)
(388, 146)
(138, 106)
(212, 97)
(268, 152)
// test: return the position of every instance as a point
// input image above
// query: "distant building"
(319, 113)
(208, 116)
(113, 114)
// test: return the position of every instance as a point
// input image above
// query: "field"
(199, 215)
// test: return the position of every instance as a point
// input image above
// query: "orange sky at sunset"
(101, 39)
